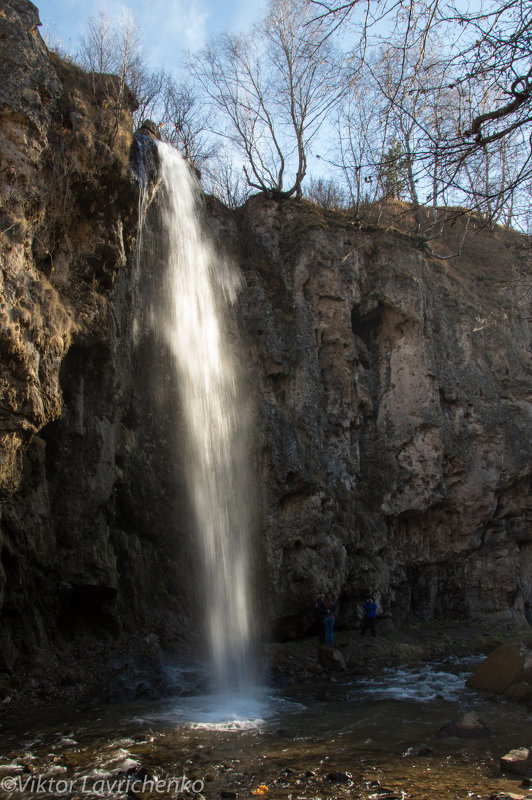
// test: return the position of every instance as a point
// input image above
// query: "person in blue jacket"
(370, 617)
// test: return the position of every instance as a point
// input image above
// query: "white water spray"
(199, 287)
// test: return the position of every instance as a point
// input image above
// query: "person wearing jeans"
(370, 616)
(329, 630)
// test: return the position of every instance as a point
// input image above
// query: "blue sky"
(169, 26)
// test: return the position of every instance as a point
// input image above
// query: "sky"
(170, 27)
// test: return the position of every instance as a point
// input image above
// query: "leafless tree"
(327, 193)
(114, 48)
(97, 53)
(485, 57)
(223, 179)
(183, 122)
(273, 89)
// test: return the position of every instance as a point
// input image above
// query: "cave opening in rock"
(366, 326)
(88, 610)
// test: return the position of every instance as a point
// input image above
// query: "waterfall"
(198, 289)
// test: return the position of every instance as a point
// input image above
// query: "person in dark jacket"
(325, 609)
(370, 617)
(320, 616)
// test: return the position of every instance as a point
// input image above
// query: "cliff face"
(395, 411)
(80, 556)
(392, 395)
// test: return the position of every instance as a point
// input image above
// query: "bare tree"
(183, 122)
(224, 180)
(114, 47)
(273, 89)
(486, 61)
(327, 193)
(97, 52)
(360, 143)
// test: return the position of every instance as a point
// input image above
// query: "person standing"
(321, 613)
(370, 617)
(329, 619)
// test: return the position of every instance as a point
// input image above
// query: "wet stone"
(518, 762)
(418, 752)
(506, 796)
(338, 777)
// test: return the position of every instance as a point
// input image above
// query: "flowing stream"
(374, 738)
(199, 287)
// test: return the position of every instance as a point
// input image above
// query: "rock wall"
(394, 393)
(83, 558)
(391, 392)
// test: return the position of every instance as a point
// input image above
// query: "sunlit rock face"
(79, 552)
(395, 418)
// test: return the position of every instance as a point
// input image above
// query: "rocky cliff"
(80, 554)
(395, 415)
(392, 394)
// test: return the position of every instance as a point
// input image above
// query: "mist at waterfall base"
(190, 315)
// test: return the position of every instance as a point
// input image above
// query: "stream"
(375, 738)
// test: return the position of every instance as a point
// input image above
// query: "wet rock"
(338, 777)
(469, 725)
(11, 769)
(519, 692)
(331, 658)
(6, 686)
(517, 762)
(386, 794)
(140, 773)
(418, 752)
(506, 796)
(374, 784)
(149, 128)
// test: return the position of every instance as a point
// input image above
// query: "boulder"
(500, 668)
(506, 796)
(331, 659)
(518, 762)
(149, 128)
(519, 692)
(469, 725)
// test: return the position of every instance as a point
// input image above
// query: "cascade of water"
(198, 288)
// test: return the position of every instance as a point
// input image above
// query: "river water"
(369, 738)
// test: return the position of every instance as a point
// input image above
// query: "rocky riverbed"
(378, 736)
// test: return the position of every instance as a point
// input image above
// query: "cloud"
(171, 26)
(196, 28)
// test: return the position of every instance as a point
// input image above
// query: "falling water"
(199, 289)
